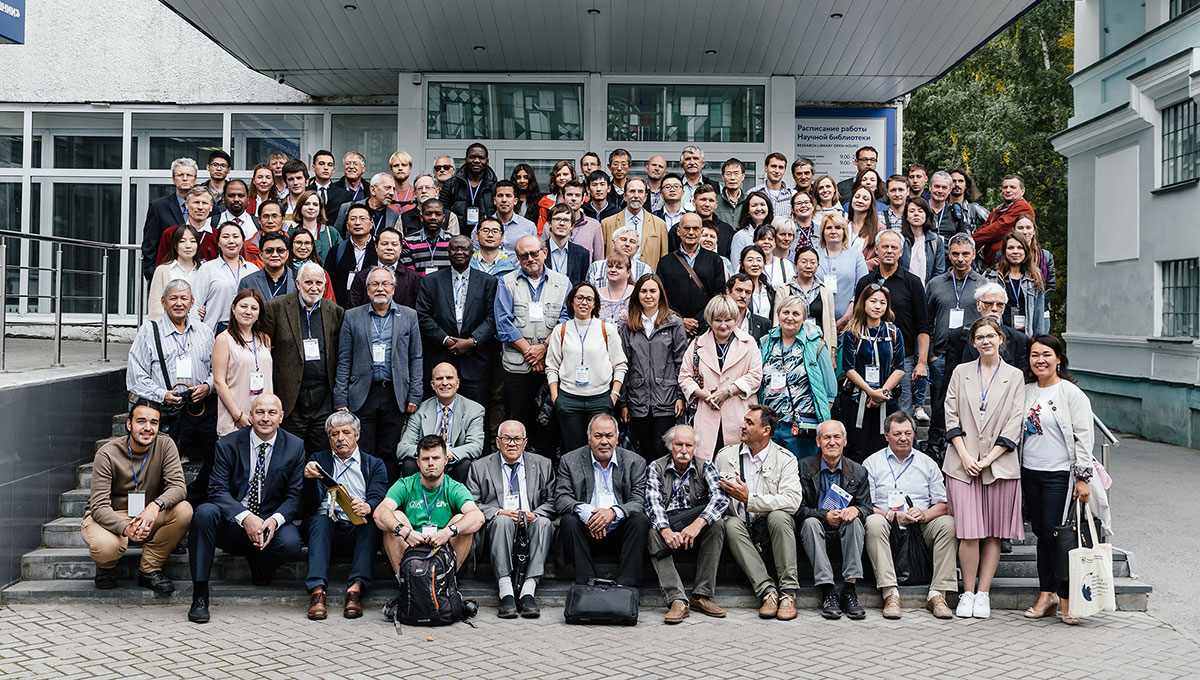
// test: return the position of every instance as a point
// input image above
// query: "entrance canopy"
(838, 50)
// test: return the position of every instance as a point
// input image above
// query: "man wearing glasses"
(691, 275)
(166, 212)
(218, 169)
(866, 158)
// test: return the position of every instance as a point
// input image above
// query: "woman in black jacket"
(654, 342)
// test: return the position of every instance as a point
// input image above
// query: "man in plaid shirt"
(685, 503)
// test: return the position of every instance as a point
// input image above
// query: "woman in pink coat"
(720, 376)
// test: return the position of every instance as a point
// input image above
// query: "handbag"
(1065, 540)
(166, 411)
(520, 550)
(689, 413)
(601, 602)
(910, 555)
(1091, 574)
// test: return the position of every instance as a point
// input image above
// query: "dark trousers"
(648, 432)
(1045, 496)
(520, 402)
(458, 470)
(327, 536)
(307, 419)
(382, 424)
(196, 439)
(630, 535)
(209, 532)
(574, 413)
(861, 442)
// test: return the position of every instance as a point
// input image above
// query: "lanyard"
(958, 291)
(277, 288)
(676, 486)
(1016, 290)
(474, 192)
(254, 345)
(358, 259)
(308, 317)
(231, 272)
(937, 224)
(376, 221)
(357, 190)
(138, 472)
(181, 345)
(349, 464)
(582, 337)
(536, 293)
(380, 326)
(407, 196)
(896, 477)
(983, 392)
(436, 497)
(830, 266)
(723, 350)
(874, 343)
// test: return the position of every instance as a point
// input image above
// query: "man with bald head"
(453, 417)
(253, 496)
(691, 275)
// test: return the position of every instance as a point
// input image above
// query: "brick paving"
(243, 641)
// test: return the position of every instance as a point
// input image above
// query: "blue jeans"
(937, 392)
(801, 445)
(912, 392)
(327, 537)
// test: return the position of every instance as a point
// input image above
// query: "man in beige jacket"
(763, 484)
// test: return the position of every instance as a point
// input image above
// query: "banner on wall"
(831, 136)
(12, 22)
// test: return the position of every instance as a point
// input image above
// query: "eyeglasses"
(219, 166)
(986, 336)
(561, 220)
(584, 298)
(440, 168)
(673, 186)
(489, 230)
(867, 159)
(688, 228)
(529, 255)
(381, 284)
(993, 303)
(511, 440)
(275, 251)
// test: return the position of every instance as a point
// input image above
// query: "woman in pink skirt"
(985, 403)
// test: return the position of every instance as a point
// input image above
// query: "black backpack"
(428, 590)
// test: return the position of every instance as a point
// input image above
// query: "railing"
(1107, 439)
(58, 297)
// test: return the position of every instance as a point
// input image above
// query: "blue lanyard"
(138, 472)
(582, 337)
(308, 317)
(676, 486)
(1016, 290)
(357, 191)
(231, 272)
(276, 288)
(254, 346)
(474, 192)
(181, 345)
(379, 327)
(938, 224)
(436, 497)
(723, 350)
(536, 293)
(958, 291)
(982, 391)
(896, 477)
(349, 464)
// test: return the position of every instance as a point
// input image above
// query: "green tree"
(994, 115)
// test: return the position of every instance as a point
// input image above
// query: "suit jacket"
(686, 298)
(335, 196)
(354, 359)
(654, 236)
(232, 470)
(390, 218)
(340, 263)
(576, 481)
(258, 281)
(759, 325)
(435, 309)
(466, 429)
(408, 284)
(286, 328)
(853, 481)
(163, 212)
(578, 261)
(488, 483)
(374, 473)
(1001, 424)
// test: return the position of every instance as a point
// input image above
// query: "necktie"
(323, 200)
(514, 486)
(637, 221)
(444, 425)
(255, 497)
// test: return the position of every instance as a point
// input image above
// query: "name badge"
(776, 380)
(257, 382)
(512, 501)
(350, 279)
(183, 368)
(1019, 322)
(536, 312)
(137, 503)
(458, 314)
(472, 216)
(581, 375)
(982, 416)
(377, 352)
(896, 500)
(605, 500)
(312, 350)
(873, 376)
(428, 530)
(830, 282)
(956, 318)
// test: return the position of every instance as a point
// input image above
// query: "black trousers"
(1045, 497)
(209, 531)
(628, 540)
(307, 419)
(458, 470)
(196, 439)
(520, 402)
(382, 424)
(648, 432)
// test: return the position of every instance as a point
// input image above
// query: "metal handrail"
(1108, 439)
(58, 270)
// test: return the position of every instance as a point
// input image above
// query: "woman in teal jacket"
(798, 377)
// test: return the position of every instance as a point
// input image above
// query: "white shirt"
(641, 222)
(1045, 451)
(751, 468)
(522, 489)
(255, 442)
(214, 287)
(243, 221)
(348, 473)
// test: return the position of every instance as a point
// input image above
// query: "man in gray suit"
(456, 419)
(379, 367)
(601, 496)
(508, 484)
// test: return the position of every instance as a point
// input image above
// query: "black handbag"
(602, 602)
(167, 412)
(910, 555)
(1066, 539)
(520, 551)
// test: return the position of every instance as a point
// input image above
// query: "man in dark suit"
(333, 194)
(329, 527)
(379, 197)
(740, 287)
(458, 320)
(275, 279)
(388, 248)
(304, 330)
(691, 275)
(820, 526)
(600, 495)
(506, 485)
(379, 366)
(706, 202)
(352, 255)
(232, 208)
(253, 495)
(198, 208)
(569, 259)
(165, 212)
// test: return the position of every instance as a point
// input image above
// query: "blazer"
(286, 328)
(374, 473)
(488, 484)
(578, 261)
(435, 309)
(654, 236)
(576, 481)
(163, 212)
(390, 218)
(686, 298)
(651, 384)
(742, 370)
(354, 359)
(408, 283)
(778, 484)
(340, 264)
(231, 474)
(258, 281)
(466, 429)
(854, 482)
(1001, 424)
(759, 325)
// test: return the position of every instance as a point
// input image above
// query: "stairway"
(62, 570)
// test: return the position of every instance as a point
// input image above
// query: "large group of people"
(639, 364)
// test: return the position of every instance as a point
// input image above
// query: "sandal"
(1050, 610)
(1070, 620)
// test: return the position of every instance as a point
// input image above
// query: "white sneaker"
(983, 606)
(966, 606)
(921, 416)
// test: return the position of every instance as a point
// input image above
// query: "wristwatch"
(453, 529)
(397, 528)
(161, 504)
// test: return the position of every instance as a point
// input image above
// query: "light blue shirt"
(514, 229)
(144, 376)
(602, 478)
(348, 473)
(918, 477)
(558, 257)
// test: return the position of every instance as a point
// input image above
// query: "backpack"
(428, 590)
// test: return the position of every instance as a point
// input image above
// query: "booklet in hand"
(835, 499)
(339, 495)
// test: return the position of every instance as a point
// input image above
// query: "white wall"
(125, 51)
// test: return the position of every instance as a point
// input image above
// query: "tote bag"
(1091, 568)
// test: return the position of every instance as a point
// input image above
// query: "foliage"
(994, 115)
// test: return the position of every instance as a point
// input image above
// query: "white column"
(780, 133)
(410, 116)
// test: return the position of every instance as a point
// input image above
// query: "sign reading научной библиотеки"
(12, 22)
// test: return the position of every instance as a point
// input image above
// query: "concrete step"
(83, 476)
(63, 533)
(73, 503)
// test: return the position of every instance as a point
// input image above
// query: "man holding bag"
(909, 494)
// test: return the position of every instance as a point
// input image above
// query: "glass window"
(1180, 143)
(168, 136)
(12, 139)
(1179, 7)
(256, 136)
(87, 211)
(1181, 298)
(686, 113)
(90, 141)
(10, 214)
(371, 134)
(534, 111)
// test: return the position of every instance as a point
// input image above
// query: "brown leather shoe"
(891, 607)
(770, 605)
(707, 607)
(678, 612)
(787, 608)
(937, 605)
(316, 606)
(352, 609)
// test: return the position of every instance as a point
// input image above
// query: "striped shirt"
(426, 255)
(597, 273)
(681, 498)
(144, 376)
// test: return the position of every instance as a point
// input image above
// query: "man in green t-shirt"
(428, 508)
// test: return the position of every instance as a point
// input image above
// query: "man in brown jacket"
(137, 496)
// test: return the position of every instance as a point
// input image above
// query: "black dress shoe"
(508, 607)
(849, 603)
(156, 581)
(199, 611)
(106, 579)
(260, 575)
(830, 608)
(529, 607)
